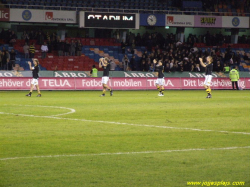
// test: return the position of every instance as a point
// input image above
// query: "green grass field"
(134, 138)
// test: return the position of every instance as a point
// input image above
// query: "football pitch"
(133, 138)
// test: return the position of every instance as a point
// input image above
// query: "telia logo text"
(48, 15)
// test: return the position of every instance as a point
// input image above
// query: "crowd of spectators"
(177, 56)
(7, 59)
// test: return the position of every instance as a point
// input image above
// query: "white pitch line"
(125, 153)
(137, 125)
(71, 109)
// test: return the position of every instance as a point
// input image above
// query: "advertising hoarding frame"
(118, 83)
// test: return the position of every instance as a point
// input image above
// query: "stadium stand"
(202, 7)
(94, 48)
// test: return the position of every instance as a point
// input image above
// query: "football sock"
(110, 90)
(207, 90)
(30, 93)
(162, 91)
(158, 88)
(104, 91)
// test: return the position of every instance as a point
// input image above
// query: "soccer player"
(208, 76)
(34, 82)
(160, 80)
(105, 64)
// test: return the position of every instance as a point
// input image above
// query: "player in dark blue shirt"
(105, 64)
(208, 75)
(34, 82)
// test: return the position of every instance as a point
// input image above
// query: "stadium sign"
(4, 14)
(108, 20)
(44, 16)
(117, 83)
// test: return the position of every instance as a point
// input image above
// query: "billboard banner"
(118, 83)
(109, 20)
(179, 20)
(235, 22)
(45, 16)
(4, 14)
(208, 21)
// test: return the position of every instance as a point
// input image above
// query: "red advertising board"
(4, 14)
(117, 83)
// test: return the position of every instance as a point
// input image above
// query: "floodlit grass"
(133, 138)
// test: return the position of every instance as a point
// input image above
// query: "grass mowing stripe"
(127, 153)
(119, 123)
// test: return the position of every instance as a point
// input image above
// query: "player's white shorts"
(160, 81)
(34, 82)
(208, 79)
(105, 80)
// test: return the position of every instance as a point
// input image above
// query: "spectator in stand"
(26, 37)
(208, 39)
(66, 48)
(123, 46)
(12, 59)
(32, 50)
(132, 63)
(125, 62)
(197, 68)
(13, 38)
(231, 62)
(79, 48)
(40, 38)
(227, 57)
(149, 43)
(143, 65)
(132, 47)
(112, 65)
(47, 36)
(26, 50)
(60, 47)
(2, 34)
(175, 67)
(245, 57)
(72, 48)
(237, 59)
(31, 35)
(218, 66)
(167, 68)
(44, 49)
(138, 40)
(49, 44)
(5, 60)
(191, 66)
